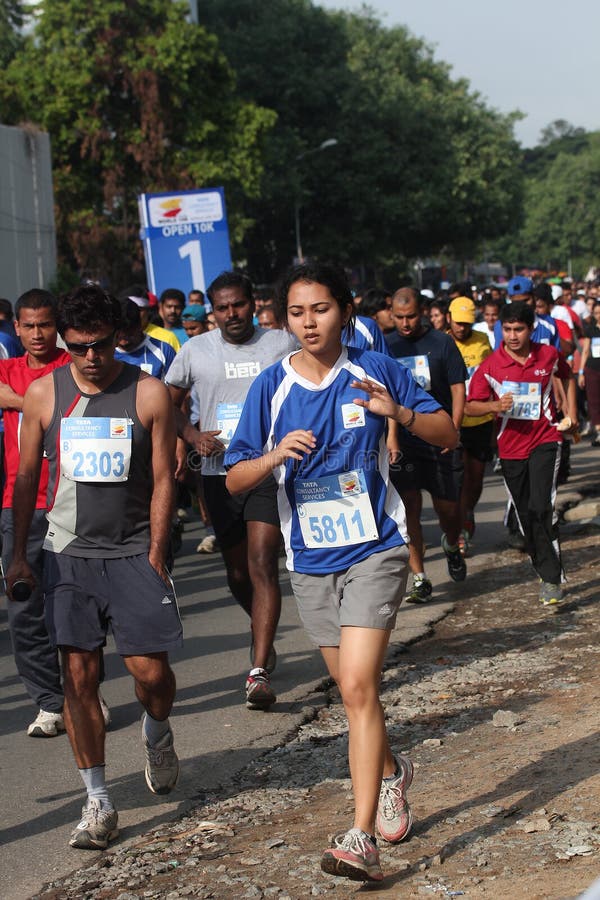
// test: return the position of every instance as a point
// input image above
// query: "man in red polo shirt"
(35, 657)
(515, 383)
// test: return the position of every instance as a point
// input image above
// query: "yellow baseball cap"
(462, 310)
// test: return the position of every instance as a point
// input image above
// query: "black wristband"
(411, 421)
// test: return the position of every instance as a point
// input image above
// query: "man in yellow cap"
(476, 432)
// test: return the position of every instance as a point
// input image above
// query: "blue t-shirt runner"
(337, 505)
(545, 331)
(366, 335)
(151, 356)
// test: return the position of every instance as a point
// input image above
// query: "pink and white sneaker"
(394, 818)
(353, 855)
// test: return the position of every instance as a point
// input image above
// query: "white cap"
(557, 292)
(140, 301)
(427, 293)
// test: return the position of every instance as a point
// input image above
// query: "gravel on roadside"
(498, 710)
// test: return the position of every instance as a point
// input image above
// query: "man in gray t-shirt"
(221, 365)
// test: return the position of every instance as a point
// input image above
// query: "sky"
(541, 57)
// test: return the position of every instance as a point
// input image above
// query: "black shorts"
(85, 596)
(477, 440)
(428, 469)
(229, 514)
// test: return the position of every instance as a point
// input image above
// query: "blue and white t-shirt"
(151, 356)
(337, 505)
(545, 331)
(367, 336)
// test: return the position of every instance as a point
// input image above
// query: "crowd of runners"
(302, 415)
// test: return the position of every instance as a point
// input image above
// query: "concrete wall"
(27, 233)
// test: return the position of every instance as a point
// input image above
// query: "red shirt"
(18, 375)
(532, 418)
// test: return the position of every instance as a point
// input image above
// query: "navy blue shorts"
(426, 468)
(229, 514)
(86, 596)
(477, 440)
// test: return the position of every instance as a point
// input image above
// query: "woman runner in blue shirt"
(317, 421)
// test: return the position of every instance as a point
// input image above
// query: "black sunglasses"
(101, 344)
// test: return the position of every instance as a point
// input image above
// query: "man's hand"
(18, 571)
(504, 403)
(206, 443)
(157, 562)
(568, 425)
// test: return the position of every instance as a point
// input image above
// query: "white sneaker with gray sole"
(46, 724)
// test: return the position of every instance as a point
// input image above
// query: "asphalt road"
(215, 735)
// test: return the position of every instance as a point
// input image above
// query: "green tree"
(420, 162)
(12, 19)
(135, 98)
(289, 56)
(442, 166)
(562, 208)
(557, 130)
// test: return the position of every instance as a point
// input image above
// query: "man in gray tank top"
(108, 432)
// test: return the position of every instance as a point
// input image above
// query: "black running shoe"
(457, 567)
(420, 591)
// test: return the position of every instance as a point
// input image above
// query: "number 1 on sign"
(192, 249)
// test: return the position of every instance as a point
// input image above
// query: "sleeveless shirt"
(97, 519)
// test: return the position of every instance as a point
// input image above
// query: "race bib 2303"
(96, 449)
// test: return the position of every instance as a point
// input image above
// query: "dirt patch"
(499, 713)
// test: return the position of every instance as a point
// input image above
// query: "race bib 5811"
(335, 511)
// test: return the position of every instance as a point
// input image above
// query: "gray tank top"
(100, 482)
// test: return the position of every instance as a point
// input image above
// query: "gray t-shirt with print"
(221, 374)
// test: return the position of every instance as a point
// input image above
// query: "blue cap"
(519, 285)
(195, 311)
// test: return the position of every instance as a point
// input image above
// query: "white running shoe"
(46, 724)
(162, 764)
(97, 827)
(394, 817)
(207, 544)
(353, 855)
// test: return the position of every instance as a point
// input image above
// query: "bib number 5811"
(325, 529)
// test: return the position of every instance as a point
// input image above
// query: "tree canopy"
(138, 98)
(135, 98)
(420, 162)
(12, 19)
(561, 205)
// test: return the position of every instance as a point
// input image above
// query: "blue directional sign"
(186, 238)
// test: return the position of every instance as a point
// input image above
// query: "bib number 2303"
(95, 449)
(87, 466)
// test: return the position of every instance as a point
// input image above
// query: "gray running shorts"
(86, 596)
(367, 595)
